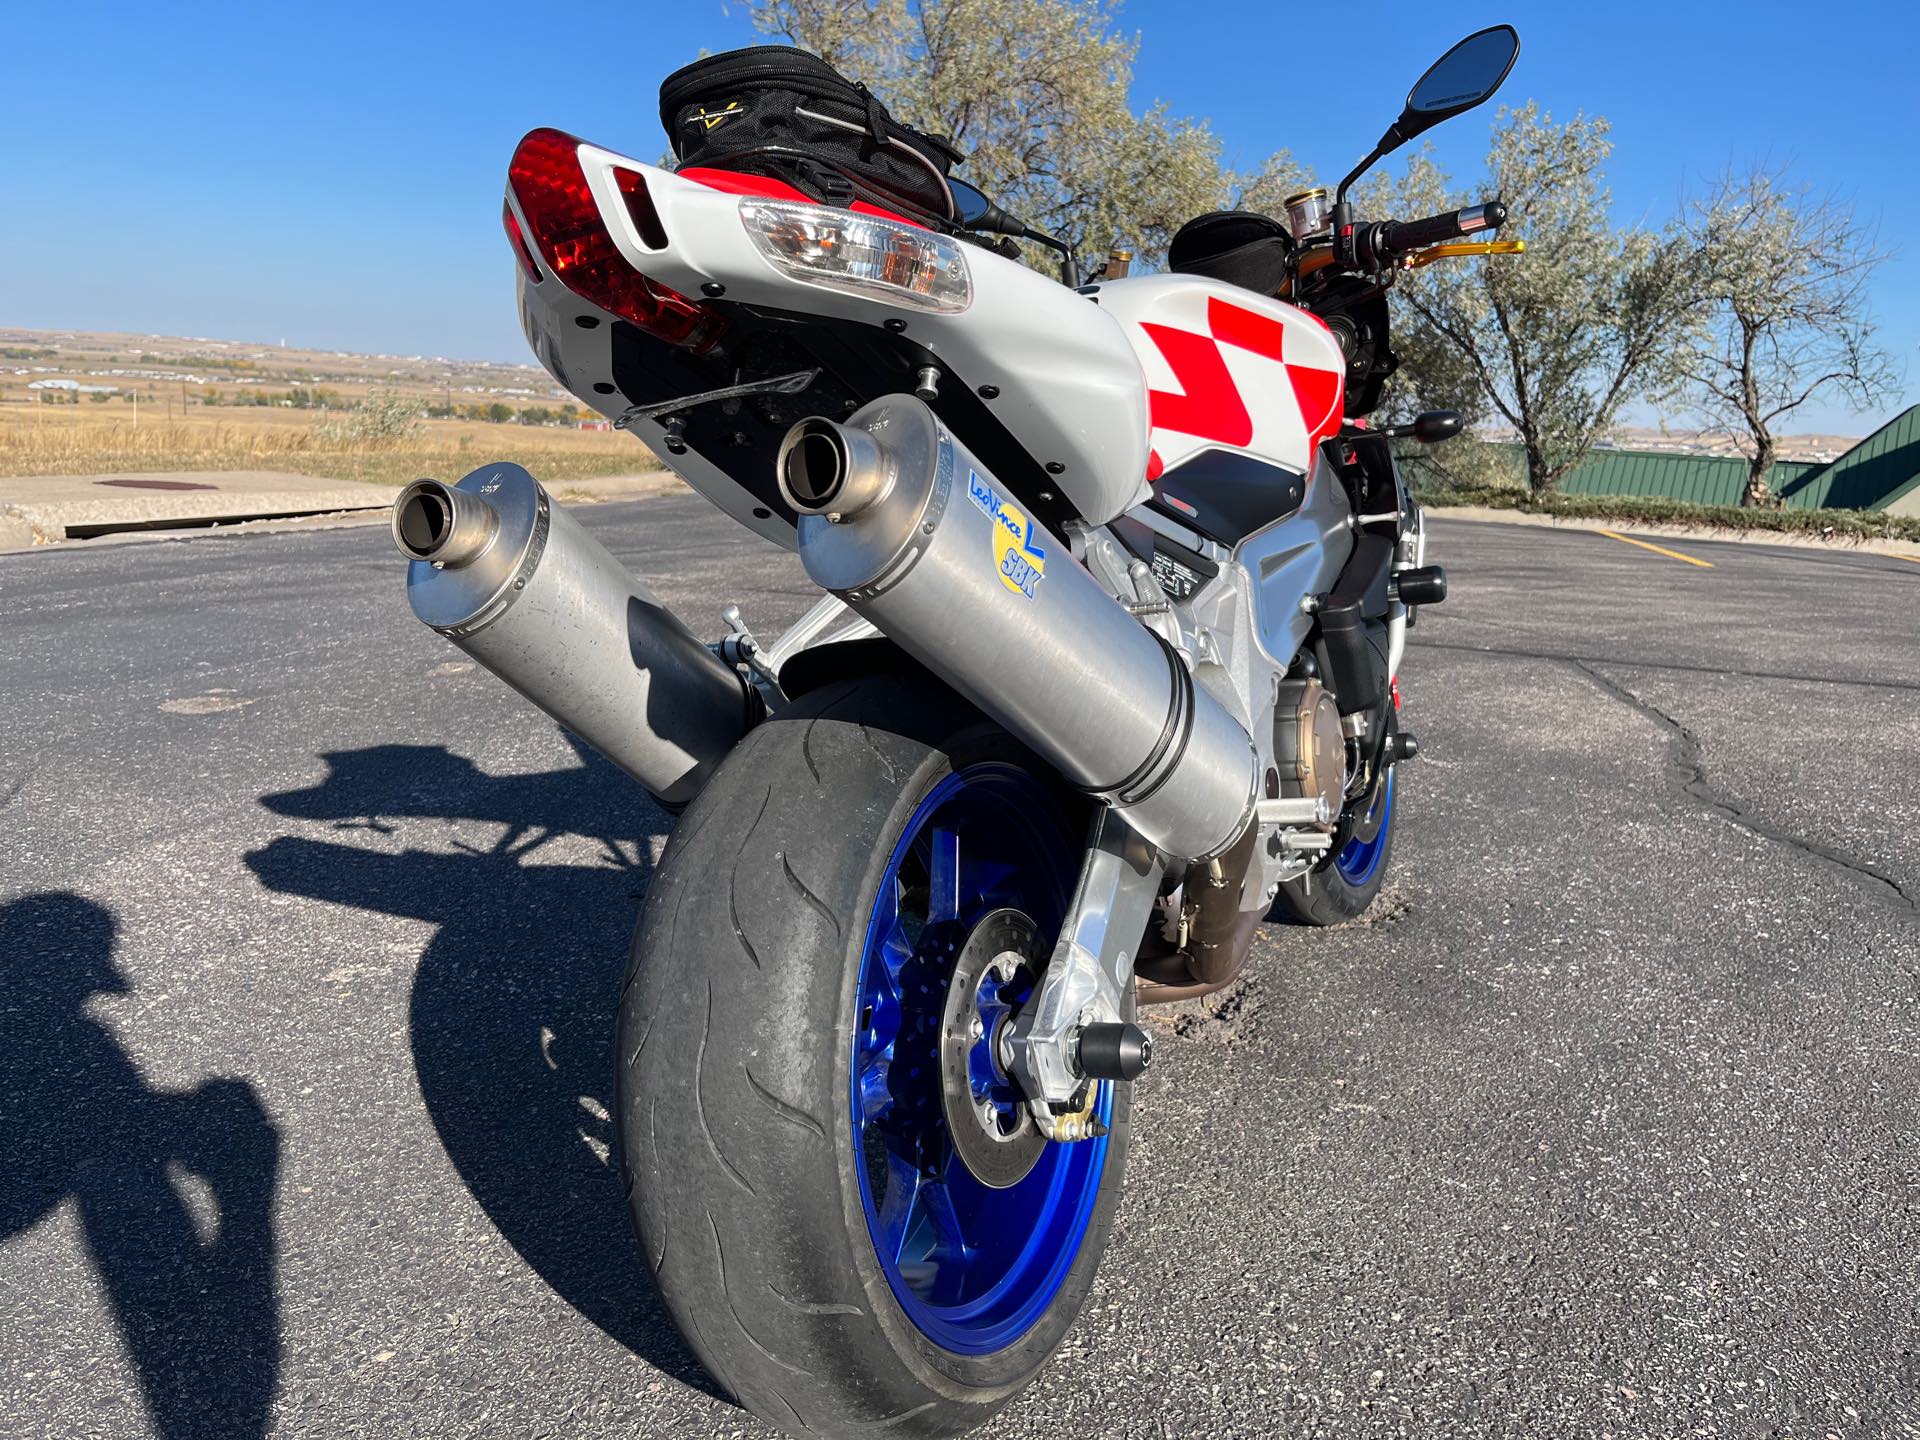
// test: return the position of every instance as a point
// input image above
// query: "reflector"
(522, 251)
(633, 190)
(547, 179)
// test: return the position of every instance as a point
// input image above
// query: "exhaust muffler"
(916, 536)
(517, 583)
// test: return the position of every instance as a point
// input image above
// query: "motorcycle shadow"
(512, 1012)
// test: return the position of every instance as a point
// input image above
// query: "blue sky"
(331, 175)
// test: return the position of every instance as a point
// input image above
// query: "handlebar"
(1390, 240)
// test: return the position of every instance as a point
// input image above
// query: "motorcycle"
(1105, 672)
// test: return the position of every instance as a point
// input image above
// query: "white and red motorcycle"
(1105, 671)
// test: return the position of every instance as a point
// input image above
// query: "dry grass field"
(102, 439)
(152, 403)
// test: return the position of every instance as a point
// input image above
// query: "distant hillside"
(224, 371)
(1674, 440)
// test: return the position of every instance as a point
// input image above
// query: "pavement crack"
(1688, 767)
(1518, 653)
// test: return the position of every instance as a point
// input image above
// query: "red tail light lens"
(567, 230)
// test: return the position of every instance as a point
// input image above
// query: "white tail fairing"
(1052, 367)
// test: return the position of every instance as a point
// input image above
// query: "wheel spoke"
(896, 947)
(949, 1253)
(879, 1021)
(899, 1216)
(991, 884)
(943, 876)
(938, 1200)
(875, 1097)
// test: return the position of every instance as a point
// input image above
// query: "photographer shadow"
(513, 1008)
(173, 1189)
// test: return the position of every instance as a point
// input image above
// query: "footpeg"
(1115, 1052)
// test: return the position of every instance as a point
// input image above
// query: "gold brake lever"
(1463, 247)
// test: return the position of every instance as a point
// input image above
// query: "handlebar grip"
(1404, 239)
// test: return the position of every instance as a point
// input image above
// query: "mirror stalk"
(1342, 219)
(1069, 262)
(1416, 118)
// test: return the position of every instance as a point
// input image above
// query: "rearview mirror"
(1459, 80)
(972, 210)
(969, 205)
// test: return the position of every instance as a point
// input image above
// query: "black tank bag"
(777, 111)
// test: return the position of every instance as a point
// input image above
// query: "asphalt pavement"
(1604, 1121)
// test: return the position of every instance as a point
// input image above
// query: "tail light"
(548, 181)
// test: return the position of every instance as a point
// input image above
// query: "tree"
(1266, 190)
(1035, 93)
(1782, 278)
(1557, 341)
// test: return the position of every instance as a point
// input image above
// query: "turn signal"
(885, 260)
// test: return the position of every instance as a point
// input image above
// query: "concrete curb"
(62, 507)
(48, 510)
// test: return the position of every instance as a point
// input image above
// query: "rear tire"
(739, 1030)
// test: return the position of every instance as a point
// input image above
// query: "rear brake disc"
(986, 1111)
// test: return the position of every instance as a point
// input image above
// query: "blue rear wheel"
(973, 1261)
(842, 1199)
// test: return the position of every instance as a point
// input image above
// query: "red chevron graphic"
(1209, 405)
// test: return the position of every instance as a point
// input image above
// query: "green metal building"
(1882, 472)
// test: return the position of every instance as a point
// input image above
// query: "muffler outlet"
(518, 584)
(443, 525)
(834, 470)
(953, 570)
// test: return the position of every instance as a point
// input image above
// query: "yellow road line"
(1657, 549)
(1896, 555)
